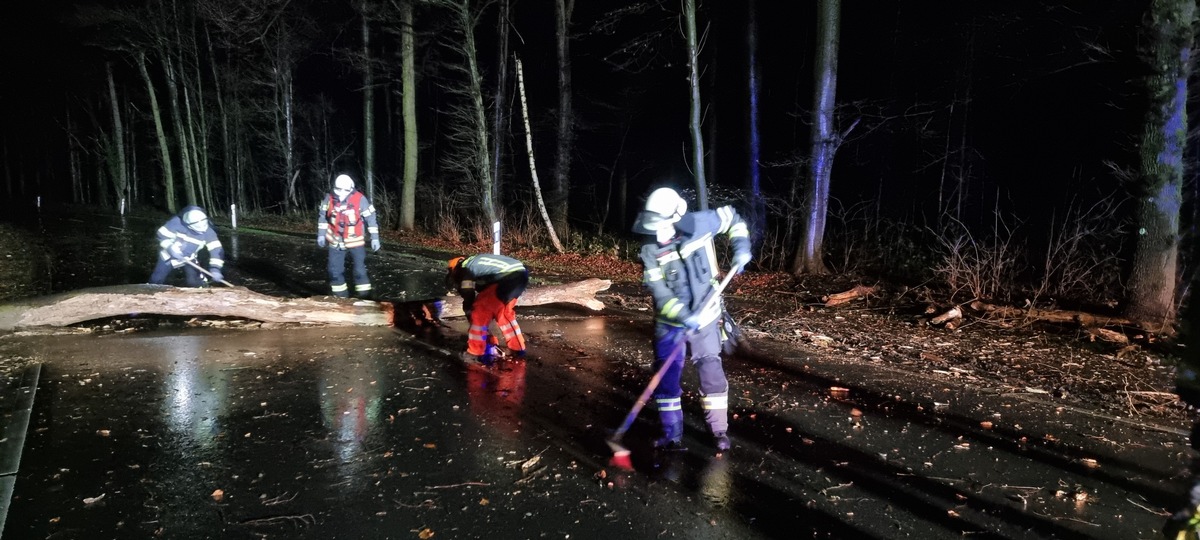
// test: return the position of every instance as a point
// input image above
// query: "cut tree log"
(859, 291)
(101, 302)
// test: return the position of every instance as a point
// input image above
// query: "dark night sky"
(1042, 95)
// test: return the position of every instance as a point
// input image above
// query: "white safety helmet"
(663, 208)
(196, 220)
(343, 185)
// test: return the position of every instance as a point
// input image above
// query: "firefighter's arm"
(216, 252)
(369, 215)
(167, 240)
(733, 226)
(322, 222)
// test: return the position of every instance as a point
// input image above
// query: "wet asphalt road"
(381, 433)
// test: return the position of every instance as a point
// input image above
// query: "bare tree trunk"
(500, 116)
(809, 256)
(226, 148)
(163, 148)
(693, 51)
(482, 160)
(537, 189)
(119, 169)
(368, 107)
(73, 160)
(185, 160)
(408, 197)
(1153, 276)
(758, 205)
(100, 302)
(560, 194)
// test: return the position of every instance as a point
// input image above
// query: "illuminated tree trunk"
(758, 210)
(809, 255)
(1152, 279)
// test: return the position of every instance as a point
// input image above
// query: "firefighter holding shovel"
(680, 269)
(180, 240)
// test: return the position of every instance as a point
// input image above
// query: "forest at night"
(997, 150)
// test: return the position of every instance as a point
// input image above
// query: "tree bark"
(119, 170)
(1153, 276)
(560, 195)
(408, 197)
(537, 189)
(810, 254)
(368, 106)
(163, 148)
(121, 300)
(689, 23)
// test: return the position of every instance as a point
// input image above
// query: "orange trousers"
(488, 307)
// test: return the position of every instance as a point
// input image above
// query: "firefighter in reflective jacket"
(680, 264)
(180, 240)
(489, 286)
(345, 220)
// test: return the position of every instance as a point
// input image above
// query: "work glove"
(740, 260)
(692, 323)
(176, 251)
(216, 274)
(320, 240)
(375, 245)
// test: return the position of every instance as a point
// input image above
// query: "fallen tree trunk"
(101, 302)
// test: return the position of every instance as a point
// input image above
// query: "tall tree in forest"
(825, 141)
(1169, 30)
(471, 156)
(758, 205)
(693, 52)
(500, 117)
(368, 104)
(118, 170)
(164, 148)
(566, 118)
(408, 193)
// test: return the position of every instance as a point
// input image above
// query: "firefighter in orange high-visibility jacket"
(679, 264)
(343, 224)
(489, 286)
(180, 240)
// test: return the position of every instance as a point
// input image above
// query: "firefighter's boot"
(717, 415)
(670, 415)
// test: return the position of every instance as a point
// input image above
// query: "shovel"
(207, 273)
(620, 457)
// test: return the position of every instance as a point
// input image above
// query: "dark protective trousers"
(671, 344)
(337, 271)
(164, 268)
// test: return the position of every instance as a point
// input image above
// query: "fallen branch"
(859, 291)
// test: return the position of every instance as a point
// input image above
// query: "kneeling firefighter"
(489, 286)
(180, 240)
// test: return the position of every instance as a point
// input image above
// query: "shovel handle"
(207, 273)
